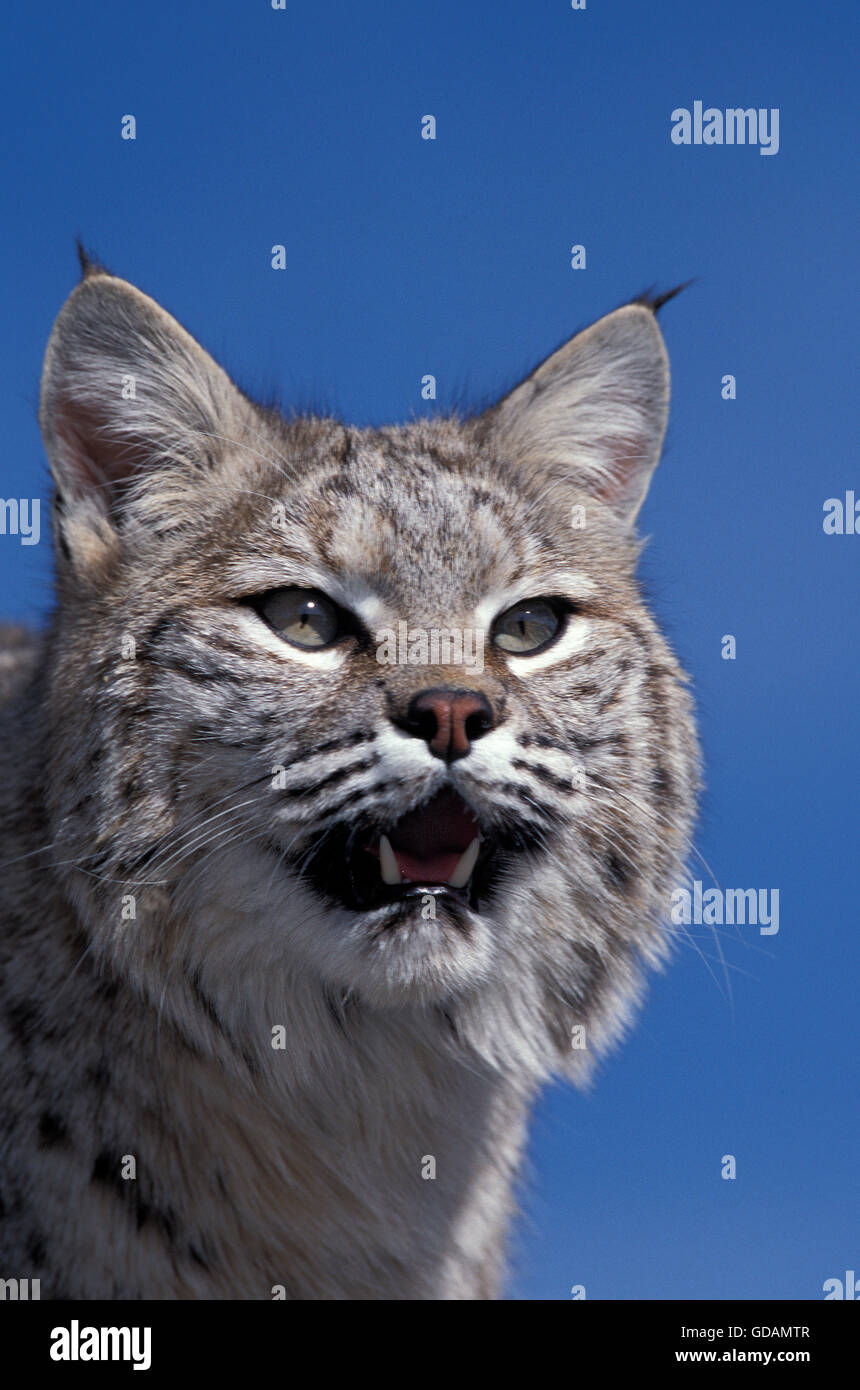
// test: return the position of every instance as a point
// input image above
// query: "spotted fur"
(140, 740)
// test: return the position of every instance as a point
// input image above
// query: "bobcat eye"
(526, 628)
(301, 616)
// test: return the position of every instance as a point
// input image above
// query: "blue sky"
(405, 256)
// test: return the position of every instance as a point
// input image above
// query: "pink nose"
(450, 721)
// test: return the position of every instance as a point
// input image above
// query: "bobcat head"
(296, 781)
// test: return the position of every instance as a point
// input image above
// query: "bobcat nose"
(449, 721)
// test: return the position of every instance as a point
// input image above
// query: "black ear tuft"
(89, 264)
(654, 301)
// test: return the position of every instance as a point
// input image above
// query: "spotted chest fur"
(293, 931)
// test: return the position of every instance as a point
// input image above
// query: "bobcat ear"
(133, 411)
(594, 413)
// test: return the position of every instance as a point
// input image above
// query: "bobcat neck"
(193, 1174)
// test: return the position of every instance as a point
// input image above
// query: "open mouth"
(439, 848)
(435, 846)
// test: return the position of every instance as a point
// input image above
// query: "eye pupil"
(527, 627)
(301, 617)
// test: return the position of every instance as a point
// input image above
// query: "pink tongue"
(429, 843)
(438, 868)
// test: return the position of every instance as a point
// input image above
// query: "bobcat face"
(422, 804)
(301, 794)
(422, 795)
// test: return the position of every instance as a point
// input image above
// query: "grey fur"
(143, 770)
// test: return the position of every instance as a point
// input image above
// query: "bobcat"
(294, 933)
